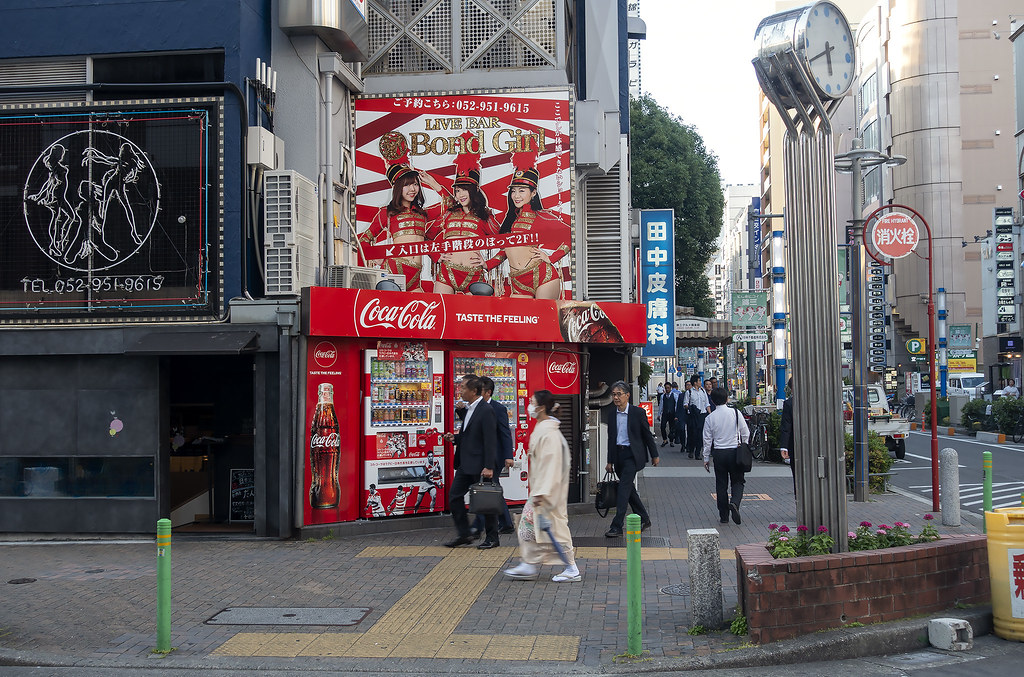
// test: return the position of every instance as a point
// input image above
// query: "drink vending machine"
(404, 465)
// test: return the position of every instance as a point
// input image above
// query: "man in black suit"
(503, 459)
(475, 450)
(786, 433)
(669, 404)
(629, 442)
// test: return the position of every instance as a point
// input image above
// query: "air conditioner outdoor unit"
(291, 227)
(357, 277)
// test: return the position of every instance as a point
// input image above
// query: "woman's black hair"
(395, 206)
(546, 401)
(477, 202)
(512, 213)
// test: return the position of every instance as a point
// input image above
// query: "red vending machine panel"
(403, 417)
(331, 454)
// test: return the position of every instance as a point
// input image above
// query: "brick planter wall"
(784, 598)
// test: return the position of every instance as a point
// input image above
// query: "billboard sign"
(749, 309)
(491, 181)
(960, 337)
(110, 209)
(657, 280)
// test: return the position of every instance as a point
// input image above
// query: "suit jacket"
(504, 433)
(641, 440)
(669, 404)
(786, 427)
(476, 445)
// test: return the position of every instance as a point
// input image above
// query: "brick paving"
(95, 603)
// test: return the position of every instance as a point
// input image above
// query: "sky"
(695, 63)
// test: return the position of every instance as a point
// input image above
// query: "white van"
(972, 385)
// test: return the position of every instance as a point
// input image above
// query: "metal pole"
(931, 375)
(163, 586)
(943, 371)
(633, 581)
(858, 270)
(986, 465)
(752, 223)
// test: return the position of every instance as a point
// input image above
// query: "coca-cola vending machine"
(404, 469)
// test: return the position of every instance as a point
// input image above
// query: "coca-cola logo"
(416, 315)
(577, 324)
(563, 370)
(325, 354)
(329, 441)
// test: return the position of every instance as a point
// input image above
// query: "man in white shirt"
(724, 430)
(1011, 389)
(699, 407)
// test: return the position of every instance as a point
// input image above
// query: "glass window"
(868, 93)
(86, 476)
(872, 186)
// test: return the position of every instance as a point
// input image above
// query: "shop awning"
(703, 331)
(197, 342)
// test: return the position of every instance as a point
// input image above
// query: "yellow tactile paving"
(374, 645)
(376, 551)
(555, 648)
(678, 553)
(510, 647)
(591, 553)
(656, 553)
(285, 644)
(419, 645)
(331, 644)
(616, 553)
(243, 644)
(463, 646)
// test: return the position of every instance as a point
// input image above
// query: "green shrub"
(974, 411)
(879, 460)
(1006, 411)
(926, 415)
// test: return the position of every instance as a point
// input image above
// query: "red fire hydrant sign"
(895, 235)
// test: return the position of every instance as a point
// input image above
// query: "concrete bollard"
(949, 481)
(705, 564)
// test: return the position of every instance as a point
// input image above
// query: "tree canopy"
(672, 169)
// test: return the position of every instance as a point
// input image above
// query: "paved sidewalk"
(419, 607)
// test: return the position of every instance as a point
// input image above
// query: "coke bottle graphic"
(585, 322)
(324, 451)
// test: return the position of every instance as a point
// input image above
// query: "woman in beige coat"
(549, 497)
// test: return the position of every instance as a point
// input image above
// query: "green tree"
(671, 169)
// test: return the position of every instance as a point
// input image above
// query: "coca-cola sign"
(563, 371)
(325, 354)
(329, 441)
(408, 317)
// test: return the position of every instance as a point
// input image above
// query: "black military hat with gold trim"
(525, 173)
(467, 164)
(395, 151)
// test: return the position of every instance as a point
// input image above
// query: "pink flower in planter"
(929, 516)
(801, 528)
(865, 524)
(903, 524)
(851, 535)
(822, 529)
(883, 526)
(773, 526)
(784, 529)
(783, 538)
(881, 532)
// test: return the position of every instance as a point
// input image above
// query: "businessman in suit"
(630, 441)
(786, 433)
(475, 452)
(503, 459)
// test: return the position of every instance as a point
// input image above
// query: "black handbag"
(607, 494)
(744, 459)
(486, 498)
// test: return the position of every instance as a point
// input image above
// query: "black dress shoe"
(507, 530)
(664, 443)
(613, 533)
(644, 526)
(487, 545)
(459, 540)
(735, 513)
(725, 521)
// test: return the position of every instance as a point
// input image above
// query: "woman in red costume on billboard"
(466, 217)
(531, 270)
(404, 219)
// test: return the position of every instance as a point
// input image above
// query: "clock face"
(828, 50)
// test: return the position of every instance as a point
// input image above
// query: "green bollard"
(986, 464)
(163, 586)
(633, 579)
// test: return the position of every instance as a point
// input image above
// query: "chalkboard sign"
(243, 494)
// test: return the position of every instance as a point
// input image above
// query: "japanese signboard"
(960, 337)
(962, 361)
(110, 210)
(749, 309)
(657, 291)
(895, 235)
(1006, 278)
(455, 190)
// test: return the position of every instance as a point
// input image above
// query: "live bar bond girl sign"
(458, 191)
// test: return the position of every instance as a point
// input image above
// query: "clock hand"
(828, 56)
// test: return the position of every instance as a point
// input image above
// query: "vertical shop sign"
(657, 291)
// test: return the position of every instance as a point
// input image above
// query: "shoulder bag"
(486, 498)
(744, 459)
(607, 494)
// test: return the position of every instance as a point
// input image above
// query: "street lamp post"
(855, 162)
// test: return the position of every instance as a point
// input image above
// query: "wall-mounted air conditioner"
(291, 232)
(357, 277)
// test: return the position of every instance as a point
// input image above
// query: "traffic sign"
(895, 235)
(916, 346)
(750, 337)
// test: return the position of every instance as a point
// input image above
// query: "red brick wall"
(784, 598)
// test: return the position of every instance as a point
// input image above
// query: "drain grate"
(604, 542)
(20, 581)
(290, 616)
(681, 589)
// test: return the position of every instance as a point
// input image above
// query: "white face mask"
(532, 410)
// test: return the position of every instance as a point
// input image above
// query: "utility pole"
(753, 270)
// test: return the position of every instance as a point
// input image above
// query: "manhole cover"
(677, 589)
(604, 542)
(19, 581)
(289, 616)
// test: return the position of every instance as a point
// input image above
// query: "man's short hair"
(487, 384)
(473, 383)
(719, 396)
(621, 385)
(695, 379)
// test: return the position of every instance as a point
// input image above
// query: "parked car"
(881, 419)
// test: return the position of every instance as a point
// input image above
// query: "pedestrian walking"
(475, 450)
(786, 433)
(550, 463)
(668, 414)
(630, 443)
(699, 407)
(724, 430)
(683, 418)
(502, 460)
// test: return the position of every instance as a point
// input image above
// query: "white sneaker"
(570, 575)
(522, 572)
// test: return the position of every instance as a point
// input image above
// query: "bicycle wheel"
(758, 444)
(910, 414)
(1018, 431)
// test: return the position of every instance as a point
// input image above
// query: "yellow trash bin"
(1005, 529)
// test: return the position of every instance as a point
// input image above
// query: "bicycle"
(908, 410)
(759, 436)
(1017, 434)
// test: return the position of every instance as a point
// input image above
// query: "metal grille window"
(409, 36)
(43, 72)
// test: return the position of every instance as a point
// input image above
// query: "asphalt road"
(914, 472)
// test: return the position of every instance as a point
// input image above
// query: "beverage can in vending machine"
(324, 451)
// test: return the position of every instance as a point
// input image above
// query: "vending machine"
(403, 415)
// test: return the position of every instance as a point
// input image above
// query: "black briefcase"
(486, 498)
(607, 494)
